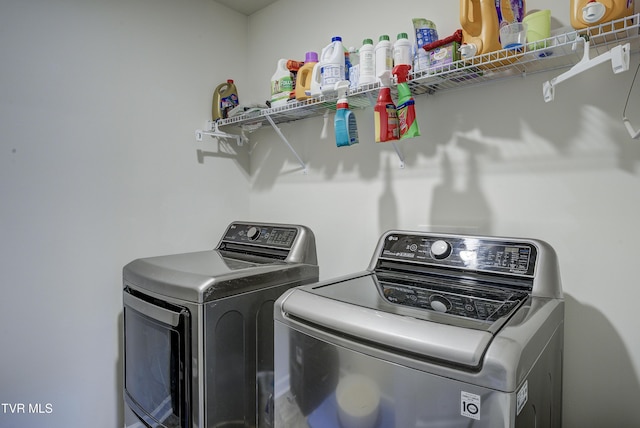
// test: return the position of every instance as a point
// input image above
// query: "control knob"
(440, 249)
(253, 233)
(439, 303)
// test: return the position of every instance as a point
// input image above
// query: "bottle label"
(332, 74)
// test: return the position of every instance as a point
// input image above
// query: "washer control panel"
(478, 304)
(260, 234)
(471, 253)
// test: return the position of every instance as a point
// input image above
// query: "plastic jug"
(332, 69)
(303, 81)
(588, 13)
(402, 50)
(480, 27)
(384, 56)
(225, 98)
(281, 84)
(367, 63)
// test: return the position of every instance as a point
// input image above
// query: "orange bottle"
(589, 13)
(480, 27)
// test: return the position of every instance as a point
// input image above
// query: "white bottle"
(281, 84)
(384, 56)
(402, 50)
(333, 65)
(367, 63)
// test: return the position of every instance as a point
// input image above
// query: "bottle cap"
(367, 42)
(229, 81)
(336, 39)
(311, 57)
(402, 36)
(384, 37)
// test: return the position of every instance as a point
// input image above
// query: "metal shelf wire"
(556, 52)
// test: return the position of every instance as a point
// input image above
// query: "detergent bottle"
(225, 98)
(588, 13)
(385, 113)
(281, 84)
(345, 120)
(367, 63)
(480, 27)
(408, 125)
(510, 11)
(384, 56)
(304, 78)
(332, 68)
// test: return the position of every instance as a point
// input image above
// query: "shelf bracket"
(399, 153)
(283, 138)
(619, 57)
(215, 132)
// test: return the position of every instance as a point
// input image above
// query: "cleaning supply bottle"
(480, 27)
(333, 66)
(384, 112)
(589, 13)
(384, 56)
(367, 63)
(406, 104)
(303, 81)
(345, 125)
(225, 99)
(294, 67)
(402, 50)
(281, 84)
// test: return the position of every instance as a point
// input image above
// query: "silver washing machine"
(440, 331)
(198, 328)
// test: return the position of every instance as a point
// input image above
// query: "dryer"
(439, 331)
(198, 328)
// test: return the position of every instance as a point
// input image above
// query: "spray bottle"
(406, 104)
(384, 112)
(345, 120)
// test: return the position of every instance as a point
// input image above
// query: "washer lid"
(355, 308)
(208, 275)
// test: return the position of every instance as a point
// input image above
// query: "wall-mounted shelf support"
(214, 131)
(399, 153)
(283, 138)
(618, 55)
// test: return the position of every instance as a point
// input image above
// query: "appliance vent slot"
(251, 250)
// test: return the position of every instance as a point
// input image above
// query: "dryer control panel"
(261, 234)
(469, 253)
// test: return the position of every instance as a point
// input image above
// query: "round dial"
(440, 249)
(253, 233)
(439, 303)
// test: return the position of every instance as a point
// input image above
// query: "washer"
(439, 331)
(198, 328)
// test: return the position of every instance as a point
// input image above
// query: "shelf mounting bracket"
(283, 138)
(618, 55)
(215, 132)
(399, 153)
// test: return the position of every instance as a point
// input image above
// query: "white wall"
(99, 101)
(493, 159)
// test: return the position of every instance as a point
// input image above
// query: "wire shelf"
(556, 52)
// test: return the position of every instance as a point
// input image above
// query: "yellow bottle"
(589, 13)
(480, 27)
(225, 98)
(304, 78)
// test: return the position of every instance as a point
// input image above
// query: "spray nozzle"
(385, 78)
(342, 88)
(402, 72)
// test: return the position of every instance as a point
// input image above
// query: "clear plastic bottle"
(384, 56)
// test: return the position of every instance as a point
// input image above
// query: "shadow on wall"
(461, 204)
(604, 390)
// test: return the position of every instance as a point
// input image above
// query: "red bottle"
(386, 117)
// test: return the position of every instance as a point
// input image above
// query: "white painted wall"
(99, 101)
(493, 159)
